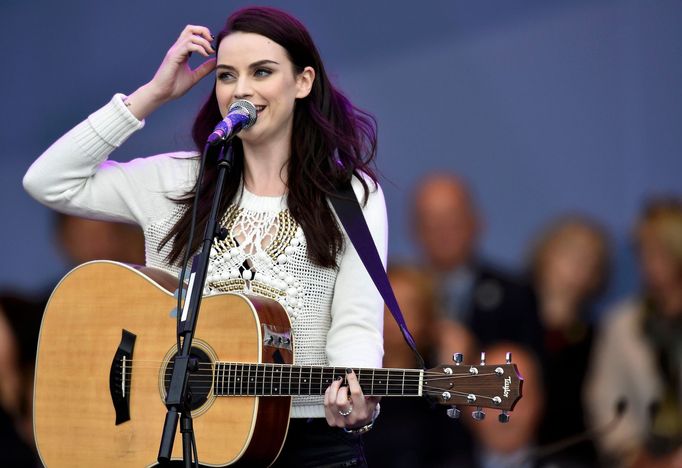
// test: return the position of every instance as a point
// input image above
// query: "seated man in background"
(494, 306)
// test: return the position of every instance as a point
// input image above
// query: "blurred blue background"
(544, 106)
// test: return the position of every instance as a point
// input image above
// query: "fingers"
(356, 394)
(346, 406)
(357, 397)
(195, 30)
(203, 43)
(331, 410)
(204, 69)
(192, 39)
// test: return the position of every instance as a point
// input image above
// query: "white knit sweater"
(337, 315)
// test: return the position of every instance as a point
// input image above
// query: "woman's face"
(659, 269)
(571, 264)
(253, 67)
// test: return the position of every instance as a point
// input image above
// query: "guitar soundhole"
(199, 381)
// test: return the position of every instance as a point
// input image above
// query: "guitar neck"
(242, 379)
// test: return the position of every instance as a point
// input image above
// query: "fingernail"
(212, 36)
(348, 370)
(339, 378)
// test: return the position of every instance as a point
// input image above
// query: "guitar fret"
(281, 371)
(241, 379)
(216, 366)
(216, 380)
(265, 369)
(273, 385)
(388, 379)
(310, 381)
(297, 381)
(216, 377)
(326, 380)
(226, 367)
(220, 378)
(229, 369)
(232, 380)
(371, 390)
(290, 372)
(402, 390)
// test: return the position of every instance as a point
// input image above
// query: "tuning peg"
(509, 358)
(479, 414)
(503, 417)
(483, 358)
(458, 358)
(453, 412)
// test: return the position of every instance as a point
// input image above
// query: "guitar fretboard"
(234, 379)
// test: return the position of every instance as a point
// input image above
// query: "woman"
(638, 352)
(284, 240)
(568, 268)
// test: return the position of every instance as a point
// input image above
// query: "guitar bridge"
(120, 375)
(277, 339)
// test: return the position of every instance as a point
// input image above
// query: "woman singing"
(283, 240)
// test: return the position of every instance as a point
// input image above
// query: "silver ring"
(346, 413)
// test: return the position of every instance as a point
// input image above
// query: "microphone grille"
(247, 108)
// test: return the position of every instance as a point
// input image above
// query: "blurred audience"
(411, 431)
(81, 240)
(78, 240)
(512, 444)
(568, 268)
(19, 325)
(493, 305)
(414, 291)
(638, 353)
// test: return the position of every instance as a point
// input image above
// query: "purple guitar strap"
(350, 214)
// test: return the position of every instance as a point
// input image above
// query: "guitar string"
(267, 374)
(431, 391)
(395, 380)
(156, 364)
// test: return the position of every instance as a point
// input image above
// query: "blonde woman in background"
(568, 268)
(638, 354)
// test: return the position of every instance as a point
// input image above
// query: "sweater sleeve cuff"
(112, 125)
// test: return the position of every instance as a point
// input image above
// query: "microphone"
(241, 114)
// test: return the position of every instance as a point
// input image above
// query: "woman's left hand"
(348, 410)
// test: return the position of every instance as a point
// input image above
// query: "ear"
(304, 82)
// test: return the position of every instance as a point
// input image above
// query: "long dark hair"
(332, 140)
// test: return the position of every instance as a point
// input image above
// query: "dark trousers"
(312, 443)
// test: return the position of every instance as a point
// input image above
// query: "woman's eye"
(262, 72)
(225, 76)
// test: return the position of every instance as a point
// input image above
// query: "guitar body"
(75, 418)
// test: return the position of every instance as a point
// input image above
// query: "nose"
(243, 90)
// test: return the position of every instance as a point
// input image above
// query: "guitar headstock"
(481, 385)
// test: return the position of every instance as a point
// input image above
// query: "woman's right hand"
(174, 77)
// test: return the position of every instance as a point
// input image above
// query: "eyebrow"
(253, 65)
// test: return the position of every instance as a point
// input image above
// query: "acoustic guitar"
(106, 352)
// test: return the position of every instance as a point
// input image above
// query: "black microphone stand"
(179, 392)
